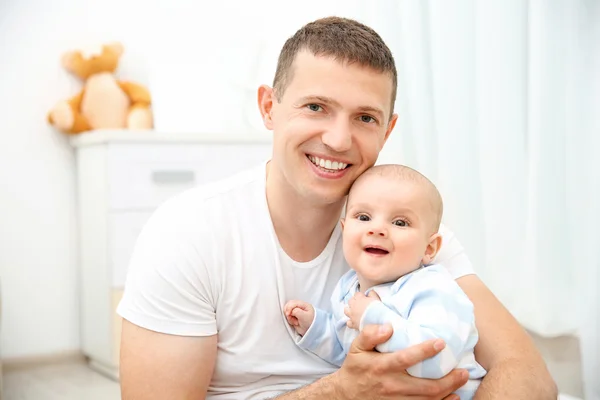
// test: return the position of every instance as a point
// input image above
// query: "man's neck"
(303, 228)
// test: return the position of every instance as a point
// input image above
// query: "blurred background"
(498, 104)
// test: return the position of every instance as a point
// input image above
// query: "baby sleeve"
(429, 306)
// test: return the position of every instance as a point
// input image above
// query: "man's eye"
(400, 223)
(367, 118)
(314, 107)
(363, 217)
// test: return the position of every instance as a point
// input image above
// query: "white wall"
(203, 76)
(37, 220)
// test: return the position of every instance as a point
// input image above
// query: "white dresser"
(122, 177)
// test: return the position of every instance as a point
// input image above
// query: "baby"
(390, 239)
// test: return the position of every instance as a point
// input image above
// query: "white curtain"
(499, 103)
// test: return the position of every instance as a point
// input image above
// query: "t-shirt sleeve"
(452, 255)
(169, 289)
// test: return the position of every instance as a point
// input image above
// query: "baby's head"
(393, 215)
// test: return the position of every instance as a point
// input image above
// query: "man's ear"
(265, 105)
(390, 127)
(435, 242)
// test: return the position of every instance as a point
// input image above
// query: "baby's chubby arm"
(318, 330)
(438, 310)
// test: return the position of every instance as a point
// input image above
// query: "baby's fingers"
(291, 305)
(291, 320)
(287, 309)
(299, 312)
(347, 311)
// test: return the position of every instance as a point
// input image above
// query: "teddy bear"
(104, 102)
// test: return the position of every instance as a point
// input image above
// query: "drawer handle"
(167, 177)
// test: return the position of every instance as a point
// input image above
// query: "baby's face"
(387, 229)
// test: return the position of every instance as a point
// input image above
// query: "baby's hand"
(300, 315)
(357, 306)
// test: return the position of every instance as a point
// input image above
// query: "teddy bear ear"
(69, 58)
(116, 47)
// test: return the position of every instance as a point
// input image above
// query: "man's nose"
(338, 137)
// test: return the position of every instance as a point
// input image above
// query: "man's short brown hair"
(345, 40)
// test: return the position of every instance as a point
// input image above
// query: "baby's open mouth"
(376, 250)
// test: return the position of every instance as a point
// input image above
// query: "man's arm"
(159, 366)
(515, 368)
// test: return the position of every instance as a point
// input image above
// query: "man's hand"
(300, 315)
(357, 306)
(367, 374)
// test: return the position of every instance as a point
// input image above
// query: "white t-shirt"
(208, 262)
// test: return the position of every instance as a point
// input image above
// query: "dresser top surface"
(152, 136)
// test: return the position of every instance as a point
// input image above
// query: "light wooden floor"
(75, 381)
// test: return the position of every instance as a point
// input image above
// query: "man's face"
(331, 124)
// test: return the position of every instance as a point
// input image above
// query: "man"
(214, 266)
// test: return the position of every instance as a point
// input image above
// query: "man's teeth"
(327, 164)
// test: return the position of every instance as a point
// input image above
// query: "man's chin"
(326, 197)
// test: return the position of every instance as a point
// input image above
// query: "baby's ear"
(435, 242)
(342, 223)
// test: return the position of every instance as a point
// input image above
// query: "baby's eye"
(314, 107)
(363, 217)
(400, 222)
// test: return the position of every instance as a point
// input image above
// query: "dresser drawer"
(142, 176)
(122, 177)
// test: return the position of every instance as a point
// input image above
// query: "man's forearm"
(323, 388)
(515, 379)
